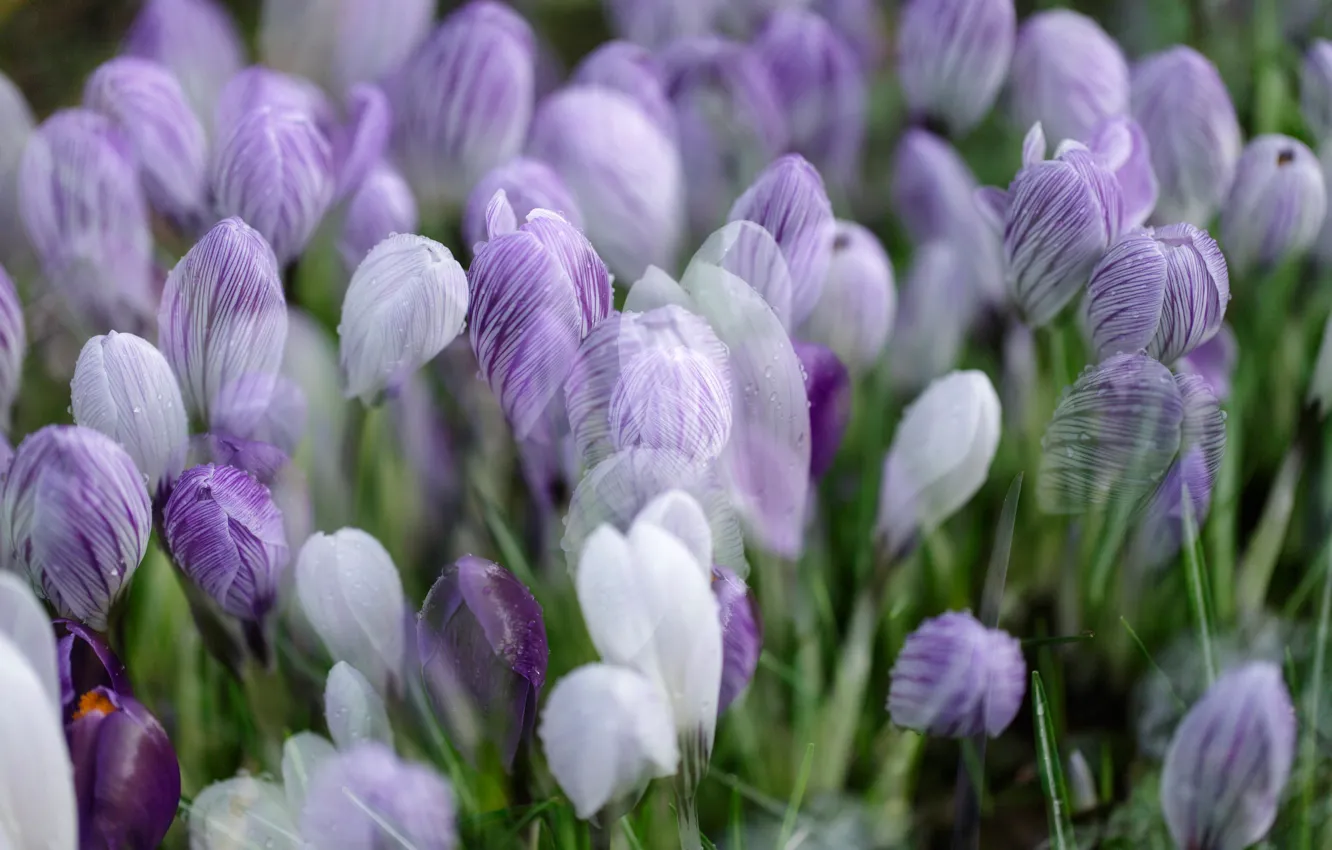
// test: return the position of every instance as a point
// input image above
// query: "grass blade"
(1051, 771)
(1309, 744)
(1195, 575)
(793, 805)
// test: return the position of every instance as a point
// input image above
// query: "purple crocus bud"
(463, 101)
(624, 174)
(274, 170)
(13, 346)
(1113, 436)
(789, 201)
(124, 388)
(955, 678)
(360, 143)
(258, 87)
(527, 185)
(125, 772)
(855, 312)
(226, 534)
(828, 386)
(1121, 147)
(953, 56)
(86, 216)
(937, 307)
(1316, 89)
(1276, 205)
(1213, 361)
(380, 208)
(821, 89)
(1182, 105)
(197, 40)
(482, 643)
(1161, 290)
(227, 290)
(730, 121)
(536, 293)
(148, 106)
(742, 634)
(75, 516)
(657, 23)
(16, 125)
(406, 301)
(1067, 74)
(629, 69)
(1229, 760)
(368, 797)
(861, 24)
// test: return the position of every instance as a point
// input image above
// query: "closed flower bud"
(629, 69)
(124, 388)
(13, 346)
(855, 312)
(462, 102)
(368, 797)
(197, 40)
(527, 185)
(75, 515)
(953, 57)
(381, 207)
(351, 593)
(361, 141)
(1276, 205)
(16, 126)
(657, 23)
(861, 24)
(258, 87)
(1067, 74)
(1316, 89)
(1183, 107)
(607, 732)
(939, 457)
(125, 771)
(936, 309)
(86, 216)
(1113, 436)
(353, 710)
(274, 170)
(788, 199)
(482, 643)
(828, 386)
(536, 293)
(226, 534)
(406, 301)
(729, 117)
(822, 90)
(1121, 147)
(1229, 761)
(955, 678)
(1214, 362)
(1161, 290)
(623, 172)
(226, 289)
(147, 104)
(742, 635)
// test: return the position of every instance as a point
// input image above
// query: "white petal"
(242, 812)
(302, 755)
(656, 289)
(680, 514)
(24, 621)
(749, 252)
(352, 709)
(614, 601)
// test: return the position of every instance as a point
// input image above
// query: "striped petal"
(953, 57)
(197, 40)
(1276, 205)
(1068, 74)
(13, 345)
(630, 69)
(381, 207)
(527, 185)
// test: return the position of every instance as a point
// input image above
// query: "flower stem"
(686, 814)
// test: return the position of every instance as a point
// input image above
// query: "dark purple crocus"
(482, 642)
(953, 57)
(829, 389)
(742, 634)
(84, 663)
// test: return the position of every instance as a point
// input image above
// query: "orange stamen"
(93, 701)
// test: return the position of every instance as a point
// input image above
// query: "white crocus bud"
(352, 709)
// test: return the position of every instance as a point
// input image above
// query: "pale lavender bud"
(197, 40)
(75, 517)
(855, 312)
(360, 143)
(223, 317)
(16, 125)
(953, 56)
(226, 534)
(148, 106)
(1121, 146)
(861, 23)
(527, 185)
(1213, 361)
(13, 346)
(381, 207)
(937, 307)
(828, 386)
(1316, 89)
(955, 678)
(1229, 761)
(624, 174)
(1276, 205)
(1068, 74)
(124, 388)
(630, 69)
(742, 634)
(1183, 106)
(462, 101)
(257, 87)
(657, 23)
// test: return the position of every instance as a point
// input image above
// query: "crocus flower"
(462, 101)
(1229, 761)
(382, 206)
(1183, 107)
(607, 731)
(406, 301)
(13, 346)
(259, 87)
(936, 308)
(85, 663)
(630, 69)
(527, 185)
(855, 312)
(828, 386)
(657, 23)
(482, 643)
(148, 106)
(536, 293)
(953, 57)
(1067, 74)
(1276, 203)
(939, 457)
(1161, 290)
(226, 534)
(196, 39)
(16, 124)
(955, 678)
(360, 142)
(85, 213)
(822, 90)
(303, 754)
(352, 595)
(623, 172)
(1120, 146)
(1213, 361)
(861, 25)
(742, 635)
(223, 317)
(75, 516)
(124, 388)
(251, 811)
(353, 710)
(1316, 89)
(25, 623)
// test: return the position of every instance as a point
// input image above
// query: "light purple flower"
(937, 306)
(742, 635)
(1316, 89)
(855, 312)
(258, 87)
(1121, 146)
(657, 23)
(828, 386)
(1067, 74)
(629, 69)
(527, 185)
(197, 40)
(360, 143)
(861, 23)
(16, 126)
(1213, 361)
(75, 517)
(953, 56)
(955, 678)
(13, 346)
(381, 207)
(1276, 204)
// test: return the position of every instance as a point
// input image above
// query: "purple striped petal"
(742, 635)
(855, 313)
(381, 207)
(1067, 74)
(953, 57)
(672, 399)
(629, 69)
(748, 251)
(13, 346)
(197, 40)
(527, 185)
(1121, 146)
(1276, 205)
(257, 87)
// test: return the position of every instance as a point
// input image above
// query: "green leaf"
(1051, 770)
